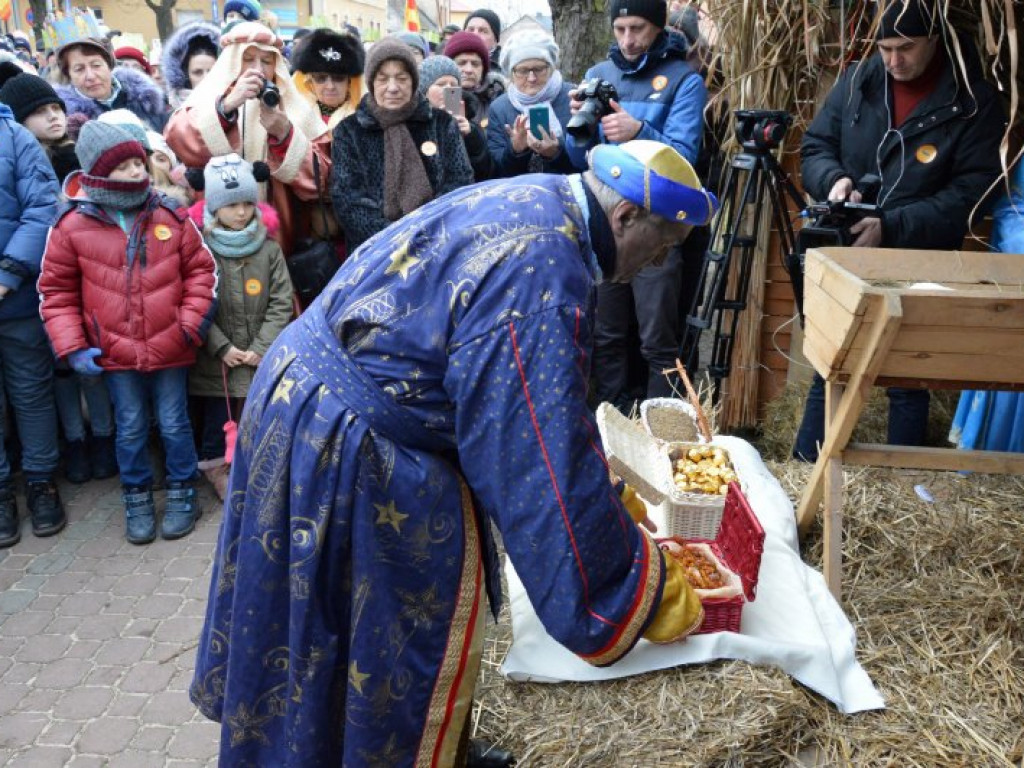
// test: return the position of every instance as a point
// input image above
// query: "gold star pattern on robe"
(357, 678)
(283, 391)
(389, 515)
(401, 262)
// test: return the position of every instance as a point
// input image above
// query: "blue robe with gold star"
(446, 363)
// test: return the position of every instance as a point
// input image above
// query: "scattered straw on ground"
(935, 592)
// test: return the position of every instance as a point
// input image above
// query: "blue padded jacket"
(661, 89)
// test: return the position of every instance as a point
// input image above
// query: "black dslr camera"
(596, 95)
(831, 221)
(269, 94)
(762, 129)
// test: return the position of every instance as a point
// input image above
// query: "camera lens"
(270, 95)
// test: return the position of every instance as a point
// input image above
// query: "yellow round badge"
(162, 232)
(926, 153)
(659, 83)
(428, 148)
(253, 287)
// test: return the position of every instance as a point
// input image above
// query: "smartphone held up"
(539, 118)
(452, 95)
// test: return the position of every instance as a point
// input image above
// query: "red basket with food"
(723, 571)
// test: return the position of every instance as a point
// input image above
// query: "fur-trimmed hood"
(140, 94)
(172, 60)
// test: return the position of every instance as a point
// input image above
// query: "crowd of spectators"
(334, 139)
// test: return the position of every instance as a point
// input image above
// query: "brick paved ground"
(97, 641)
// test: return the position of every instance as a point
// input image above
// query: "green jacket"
(254, 305)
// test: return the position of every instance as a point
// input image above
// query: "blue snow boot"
(182, 510)
(140, 515)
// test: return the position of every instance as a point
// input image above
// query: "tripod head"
(761, 130)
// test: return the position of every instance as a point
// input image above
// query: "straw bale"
(935, 592)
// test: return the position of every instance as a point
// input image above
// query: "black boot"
(10, 531)
(484, 754)
(76, 462)
(45, 507)
(104, 460)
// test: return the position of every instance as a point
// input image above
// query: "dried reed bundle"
(740, 390)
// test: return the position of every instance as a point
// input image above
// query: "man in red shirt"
(929, 126)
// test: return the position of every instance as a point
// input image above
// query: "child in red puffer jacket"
(128, 288)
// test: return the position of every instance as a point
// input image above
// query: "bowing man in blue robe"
(437, 386)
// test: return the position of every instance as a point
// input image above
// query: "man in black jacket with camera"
(930, 128)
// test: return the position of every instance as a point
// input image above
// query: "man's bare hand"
(868, 232)
(842, 190)
(620, 126)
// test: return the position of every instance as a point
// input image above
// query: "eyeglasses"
(322, 77)
(523, 73)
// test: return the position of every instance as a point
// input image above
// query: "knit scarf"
(544, 96)
(119, 195)
(234, 243)
(406, 186)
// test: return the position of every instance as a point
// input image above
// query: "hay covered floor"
(935, 592)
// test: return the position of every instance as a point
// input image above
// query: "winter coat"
(28, 205)
(139, 95)
(507, 162)
(146, 300)
(661, 89)
(172, 59)
(64, 160)
(254, 304)
(492, 87)
(934, 169)
(476, 140)
(357, 183)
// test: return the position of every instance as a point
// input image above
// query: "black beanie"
(490, 17)
(26, 93)
(655, 11)
(908, 18)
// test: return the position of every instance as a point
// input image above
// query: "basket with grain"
(647, 464)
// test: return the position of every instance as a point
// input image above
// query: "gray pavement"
(98, 638)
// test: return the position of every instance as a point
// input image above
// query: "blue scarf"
(231, 243)
(544, 96)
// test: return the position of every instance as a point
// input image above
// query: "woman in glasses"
(328, 69)
(526, 129)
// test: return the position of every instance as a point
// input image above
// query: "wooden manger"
(887, 317)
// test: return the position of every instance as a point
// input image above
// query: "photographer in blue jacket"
(658, 96)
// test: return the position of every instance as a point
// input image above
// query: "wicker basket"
(690, 515)
(646, 464)
(739, 543)
(671, 420)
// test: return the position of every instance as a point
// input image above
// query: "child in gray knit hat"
(128, 289)
(254, 296)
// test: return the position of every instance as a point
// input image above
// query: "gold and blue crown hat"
(656, 177)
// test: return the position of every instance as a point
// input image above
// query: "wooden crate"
(966, 334)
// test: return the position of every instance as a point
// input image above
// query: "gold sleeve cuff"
(633, 504)
(680, 612)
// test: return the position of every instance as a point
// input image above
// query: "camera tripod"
(754, 176)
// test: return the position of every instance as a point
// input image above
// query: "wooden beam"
(886, 316)
(948, 459)
(832, 525)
